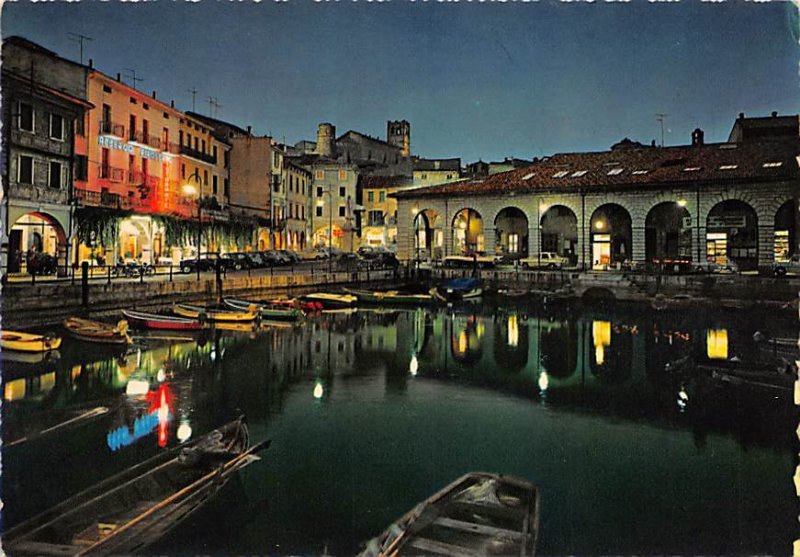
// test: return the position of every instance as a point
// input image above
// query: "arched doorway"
(468, 232)
(134, 239)
(732, 234)
(511, 228)
(559, 226)
(610, 236)
(785, 238)
(322, 237)
(668, 233)
(427, 235)
(38, 243)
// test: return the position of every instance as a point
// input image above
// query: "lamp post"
(189, 189)
(539, 204)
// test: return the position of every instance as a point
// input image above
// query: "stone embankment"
(48, 303)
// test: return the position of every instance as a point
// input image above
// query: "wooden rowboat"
(478, 514)
(390, 297)
(160, 322)
(28, 342)
(128, 512)
(307, 307)
(331, 301)
(95, 331)
(266, 310)
(215, 315)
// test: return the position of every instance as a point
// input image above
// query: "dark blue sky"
(475, 80)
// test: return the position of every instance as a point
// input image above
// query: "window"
(146, 106)
(615, 171)
(196, 143)
(640, 172)
(25, 170)
(81, 167)
(214, 184)
(165, 139)
(183, 171)
(54, 180)
(105, 169)
(57, 127)
(319, 192)
(132, 126)
(320, 174)
(691, 169)
(772, 164)
(133, 101)
(227, 186)
(342, 192)
(205, 177)
(371, 196)
(303, 212)
(341, 210)
(26, 117)
(528, 176)
(80, 125)
(382, 196)
(343, 175)
(214, 154)
(106, 89)
(729, 167)
(579, 173)
(203, 146)
(319, 210)
(560, 173)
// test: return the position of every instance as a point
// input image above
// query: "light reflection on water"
(374, 410)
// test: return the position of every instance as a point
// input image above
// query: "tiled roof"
(382, 182)
(638, 168)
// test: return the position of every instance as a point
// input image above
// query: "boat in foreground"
(478, 514)
(390, 297)
(161, 322)
(215, 315)
(331, 301)
(28, 342)
(128, 512)
(266, 310)
(95, 331)
(458, 289)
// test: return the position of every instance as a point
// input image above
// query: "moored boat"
(156, 321)
(96, 331)
(458, 289)
(307, 307)
(478, 514)
(128, 512)
(331, 301)
(389, 297)
(266, 310)
(215, 315)
(28, 342)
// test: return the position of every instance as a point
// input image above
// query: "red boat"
(307, 307)
(163, 322)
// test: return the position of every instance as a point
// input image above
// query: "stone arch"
(37, 243)
(135, 240)
(785, 231)
(559, 231)
(511, 232)
(611, 236)
(467, 231)
(732, 234)
(668, 233)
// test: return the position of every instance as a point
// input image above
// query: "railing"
(112, 128)
(146, 139)
(112, 173)
(199, 155)
(98, 198)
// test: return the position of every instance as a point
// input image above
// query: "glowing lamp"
(681, 203)
(318, 391)
(189, 189)
(413, 368)
(599, 225)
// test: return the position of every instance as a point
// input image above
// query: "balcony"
(112, 128)
(199, 155)
(112, 174)
(146, 139)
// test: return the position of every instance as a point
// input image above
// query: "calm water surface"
(372, 411)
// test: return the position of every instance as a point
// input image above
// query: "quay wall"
(49, 303)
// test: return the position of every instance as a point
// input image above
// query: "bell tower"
(398, 133)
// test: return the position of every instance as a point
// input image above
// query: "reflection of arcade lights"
(717, 344)
(161, 375)
(544, 382)
(319, 390)
(137, 387)
(184, 430)
(413, 367)
(513, 330)
(601, 334)
(683, 400)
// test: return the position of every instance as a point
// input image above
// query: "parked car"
(275, 257)
(369, 252)
(781, 268)
(480, 259)
(293, 256)
(385, 260)
(241, 260)
(712, 267)
(545, 260)
(315, 254)
(207, 262)
(351, 262)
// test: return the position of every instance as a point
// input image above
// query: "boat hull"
(211, 315)
(27, 342)
(97, 332)
(159, 322)
(390, 298)
(331, 301)
(283, 313)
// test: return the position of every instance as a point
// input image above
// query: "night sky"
(475, 80)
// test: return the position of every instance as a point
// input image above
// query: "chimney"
(774, 113)
(91, 63)
(741, 115)
(154, 94)
(249, 130)
(653, 143)
(172, 103)
(119, 77)
(697, 137)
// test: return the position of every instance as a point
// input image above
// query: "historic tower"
(326, 135)
(399, 134)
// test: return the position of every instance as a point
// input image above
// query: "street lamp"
(191, 190)
(539, 206)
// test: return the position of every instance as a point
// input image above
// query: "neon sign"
(113, 143)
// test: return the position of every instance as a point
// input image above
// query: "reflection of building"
(632, 203)
(43, 114)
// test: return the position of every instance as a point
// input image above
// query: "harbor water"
(371, 411)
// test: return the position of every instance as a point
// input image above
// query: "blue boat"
(458, 289)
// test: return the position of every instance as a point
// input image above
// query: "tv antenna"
(193, 91)
(80, 39)
(132, 75)
(660, 118)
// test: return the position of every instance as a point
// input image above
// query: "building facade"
(41, 120)
(631, 205)
(298, 183)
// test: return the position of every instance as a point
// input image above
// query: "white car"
(781, 268)
(546, 260)
(713, 267)
(480, 260)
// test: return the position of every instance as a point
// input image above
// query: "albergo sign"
(116, 144)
